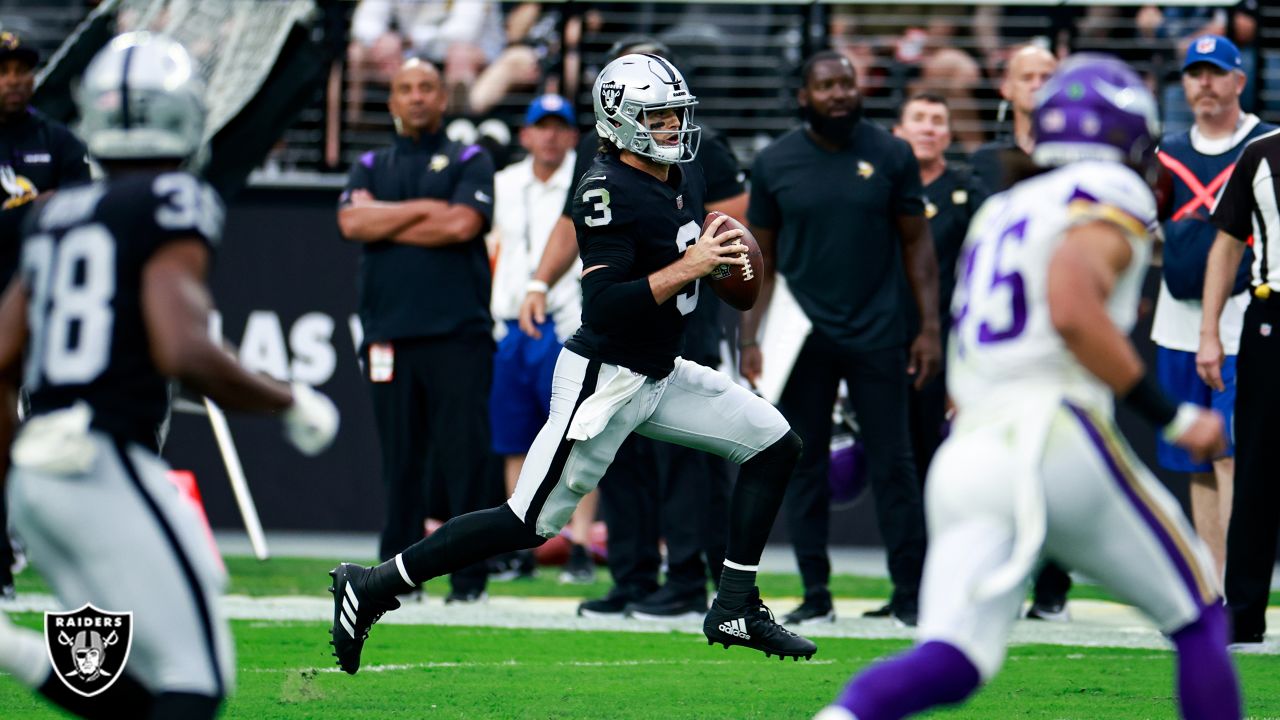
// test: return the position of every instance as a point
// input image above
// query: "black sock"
(756, 499)
(184, 706)
(736, 586)
(462, 541)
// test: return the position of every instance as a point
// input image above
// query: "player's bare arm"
(1081, 276)
(1219, 276)
(175, 306)
(13, 337)
(557, 258)
(750, 359)
(734, 207)
(922, 273)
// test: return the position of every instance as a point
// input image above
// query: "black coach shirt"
(838, 245)
(989, 163)
(90, 319)
(636, 225)
(724, 179)
(37, 155)
(950, 202)
(408, 291)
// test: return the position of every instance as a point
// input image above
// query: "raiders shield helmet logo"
(88, 647)
(611, 97)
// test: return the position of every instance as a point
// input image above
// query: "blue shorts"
(1176, 371)
(521, 396)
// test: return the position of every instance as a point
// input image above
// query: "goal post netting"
(262, 62)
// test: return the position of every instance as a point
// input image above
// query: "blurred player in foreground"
(645, 255)
(1035, 466)
(109, 303)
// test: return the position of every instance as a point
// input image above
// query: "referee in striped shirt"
(1248, 208)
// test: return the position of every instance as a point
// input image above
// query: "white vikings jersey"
(1002, 337)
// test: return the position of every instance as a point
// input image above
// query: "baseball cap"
(11, 46)
(1213, 49)
(547, 105)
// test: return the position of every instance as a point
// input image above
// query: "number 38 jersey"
(636, 224)
(1002, 337)
(83, 254)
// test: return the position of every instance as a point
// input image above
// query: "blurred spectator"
(1199, 162)
(927, 57)
(837, 205)
(1002, 29)
(533, 48)
(952, 196)
(1028, 69)
(527, 199)
(1175, 27)
(419, 209)
(459, 37)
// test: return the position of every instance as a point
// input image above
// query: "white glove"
(312, 421)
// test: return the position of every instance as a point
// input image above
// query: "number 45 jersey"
(83, 255)
(1003, 344)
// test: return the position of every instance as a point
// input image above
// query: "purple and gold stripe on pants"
(1165, 530)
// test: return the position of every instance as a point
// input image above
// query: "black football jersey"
(83, 253)
(618, 206)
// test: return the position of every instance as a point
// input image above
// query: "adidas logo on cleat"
(736, 628)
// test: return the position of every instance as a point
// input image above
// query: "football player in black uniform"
(643, 256)
(109, 303)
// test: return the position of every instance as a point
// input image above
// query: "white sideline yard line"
(1094, 623)
(397, 667)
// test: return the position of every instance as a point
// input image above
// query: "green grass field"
(412, 671)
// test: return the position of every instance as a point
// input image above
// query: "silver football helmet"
(632, 86)
(142, 97)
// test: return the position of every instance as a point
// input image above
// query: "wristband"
(537, 286)
(1149, 401)
(744, 344)
(1186, 417)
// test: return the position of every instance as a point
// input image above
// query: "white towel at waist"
(594, 412)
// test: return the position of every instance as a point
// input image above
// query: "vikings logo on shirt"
(865, 169)
(20, 190)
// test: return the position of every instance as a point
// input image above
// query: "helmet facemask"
(628, 95)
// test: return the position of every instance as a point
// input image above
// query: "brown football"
(738, 285)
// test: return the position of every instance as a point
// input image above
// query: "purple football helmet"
(847, 473)
(1095, 107)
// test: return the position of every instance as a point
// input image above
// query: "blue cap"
(547, 105)
(1216, 50)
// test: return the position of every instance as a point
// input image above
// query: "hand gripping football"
(738, 285)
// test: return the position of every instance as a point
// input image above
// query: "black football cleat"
(753, 626)
(354, 613)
